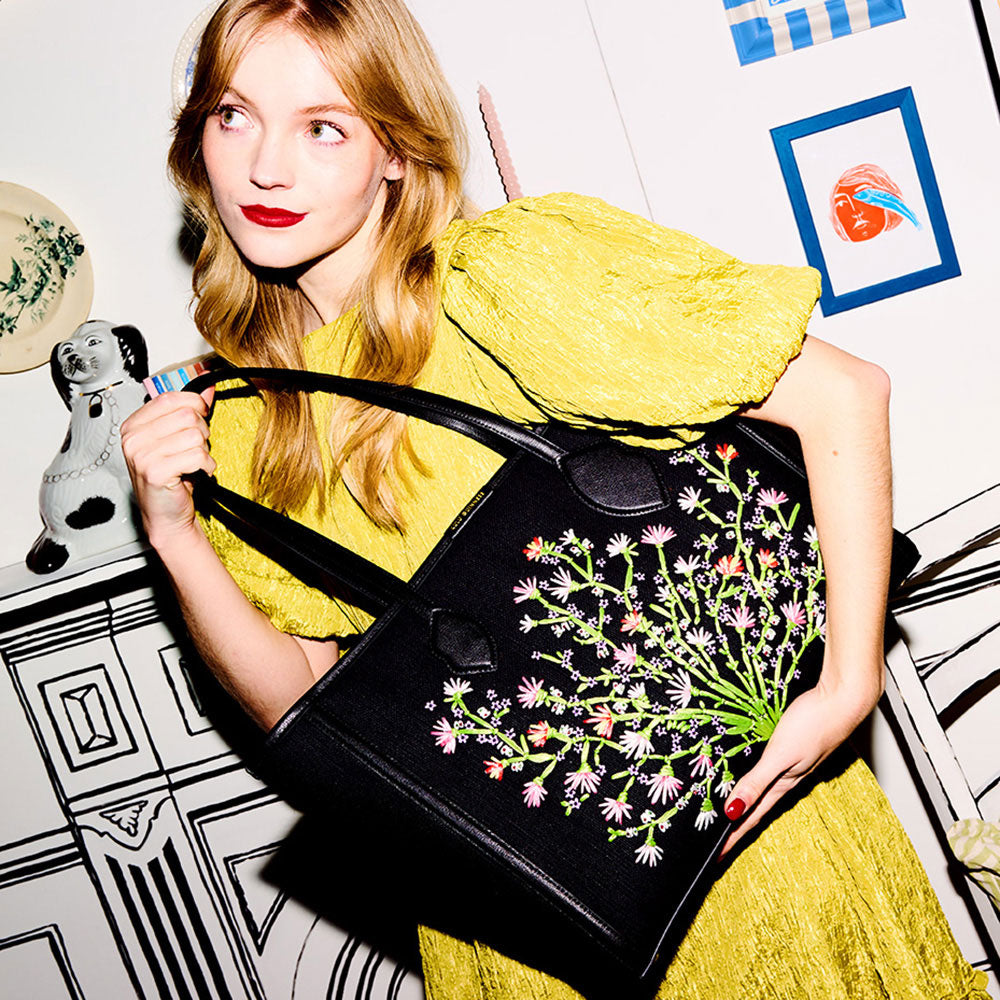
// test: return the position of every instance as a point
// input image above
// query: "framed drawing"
(987, 17)
(765, 28)
(866, 201)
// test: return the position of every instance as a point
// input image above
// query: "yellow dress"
(566, 306)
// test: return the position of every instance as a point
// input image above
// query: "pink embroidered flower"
(665, 787)
(455, 688)
(632, 621)
(689, 499)
(444, 735)
(730, 566)
(726, 452)
(702, 764)
(539, 733)
(687, 565)
(529, 693)
(603, 721)
(679, 689)
(627, 656)
(494, 768)
(533, 793)
(584, 779)
(648, 854)
(636, 744)
(657, 534)
(795, 613)
(614, 810)
(706, 816)
(525, 589)
(771, 498)
(698, 637)
(619, 544)
(534, 549)
(766, 558)
(562, 584)
(742, 618)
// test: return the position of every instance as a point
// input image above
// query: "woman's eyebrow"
(320, 109)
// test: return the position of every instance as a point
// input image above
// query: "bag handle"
(461, 642)
(613, 478)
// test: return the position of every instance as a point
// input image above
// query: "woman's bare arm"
(838, 406)
(264, 669)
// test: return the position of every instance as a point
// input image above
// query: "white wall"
(86, 123)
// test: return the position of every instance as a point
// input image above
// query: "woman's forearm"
(264, 669)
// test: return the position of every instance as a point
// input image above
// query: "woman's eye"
(229, 117)
(325, 132)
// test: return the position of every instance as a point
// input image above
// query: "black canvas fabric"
(625, 541)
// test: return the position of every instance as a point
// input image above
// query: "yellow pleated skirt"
(830, 902)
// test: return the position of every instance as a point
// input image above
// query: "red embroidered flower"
(603, 721)
(730, 566)
(539, 733)
(726, 452)
(631, 621)
(534, 549)
(494, 768)
(766, 557)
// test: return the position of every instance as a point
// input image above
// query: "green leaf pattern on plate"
(39, 272)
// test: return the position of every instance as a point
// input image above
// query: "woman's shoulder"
(545, 217)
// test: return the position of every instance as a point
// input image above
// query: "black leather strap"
(496, 432)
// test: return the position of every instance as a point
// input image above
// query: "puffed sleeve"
(601, 314)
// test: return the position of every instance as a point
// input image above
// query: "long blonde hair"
(387, 69)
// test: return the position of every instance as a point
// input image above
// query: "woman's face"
(297, 177)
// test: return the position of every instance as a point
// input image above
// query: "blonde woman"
(322, 152)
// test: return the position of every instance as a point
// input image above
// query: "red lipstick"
(274, 218)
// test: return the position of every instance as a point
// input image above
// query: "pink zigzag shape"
(501, 154)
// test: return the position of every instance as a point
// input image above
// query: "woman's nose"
(271, 166)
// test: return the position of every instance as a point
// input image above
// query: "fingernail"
(735, 809)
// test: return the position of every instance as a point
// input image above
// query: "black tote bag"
(540, 729)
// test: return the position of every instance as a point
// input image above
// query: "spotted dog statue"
(86, 498)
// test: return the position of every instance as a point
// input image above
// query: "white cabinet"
(134, 843)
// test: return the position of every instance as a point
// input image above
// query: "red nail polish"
(735, 809)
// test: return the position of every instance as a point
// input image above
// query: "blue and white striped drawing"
(765, 28)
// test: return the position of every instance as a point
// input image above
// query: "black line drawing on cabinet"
(945, 695)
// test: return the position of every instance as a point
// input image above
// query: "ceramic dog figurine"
(86, 498)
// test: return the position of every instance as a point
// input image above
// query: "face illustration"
(297, 177)
(860, 222)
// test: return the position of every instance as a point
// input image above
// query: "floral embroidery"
(655, 674)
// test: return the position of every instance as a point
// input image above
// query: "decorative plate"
(46, 279)
(186, 56)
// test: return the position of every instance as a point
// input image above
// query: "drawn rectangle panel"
(87, 717)
(866, 200)
(35, 964)
(765, 28)
(185, 693)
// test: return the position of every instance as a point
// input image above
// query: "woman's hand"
(813, 726)
(164, 441)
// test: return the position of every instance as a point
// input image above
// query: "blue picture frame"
(784, 136)
(762, 29)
